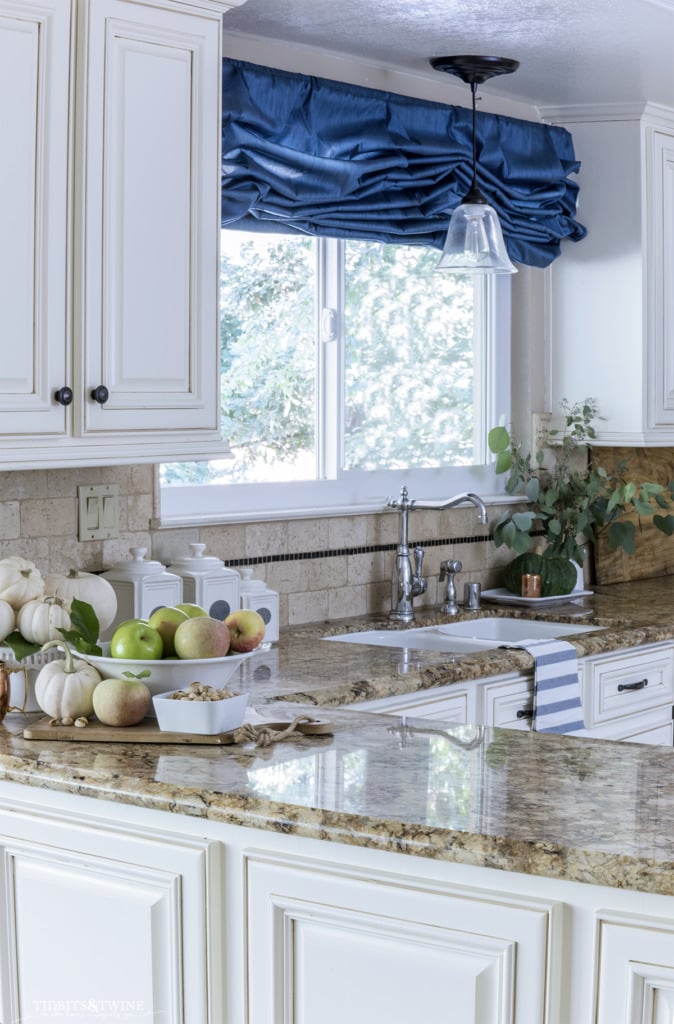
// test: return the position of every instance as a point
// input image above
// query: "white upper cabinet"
(34, 353)
(611, 318)
(110, 263)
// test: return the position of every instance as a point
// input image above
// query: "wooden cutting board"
(148, 731)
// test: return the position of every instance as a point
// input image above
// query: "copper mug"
(4, 691)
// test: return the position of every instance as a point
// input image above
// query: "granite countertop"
(580, 809)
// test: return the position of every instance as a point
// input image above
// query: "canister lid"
(137, 566)
(196, 563)
(248, 584)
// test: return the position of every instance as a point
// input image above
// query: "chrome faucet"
(406, 584)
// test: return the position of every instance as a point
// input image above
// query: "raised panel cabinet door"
(147, 261)
(636, 970)
(659, 155)
(34, 69)
(105, 923)
(326, 944)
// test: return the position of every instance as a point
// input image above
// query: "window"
(348, 368)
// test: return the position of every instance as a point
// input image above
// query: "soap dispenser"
(141, 585)
(256, 595)
(208, 582)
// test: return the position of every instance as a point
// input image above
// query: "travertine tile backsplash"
(324, 568)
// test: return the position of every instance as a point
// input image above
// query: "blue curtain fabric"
(306, 155)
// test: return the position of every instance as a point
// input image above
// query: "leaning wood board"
(148, 731)
(654, 555)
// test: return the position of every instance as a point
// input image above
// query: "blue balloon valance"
(307, 155)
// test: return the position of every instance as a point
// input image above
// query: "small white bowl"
(170, 673)
(203, 717)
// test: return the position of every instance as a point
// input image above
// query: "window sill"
(172, 522)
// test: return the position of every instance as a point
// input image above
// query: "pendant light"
(474, 243)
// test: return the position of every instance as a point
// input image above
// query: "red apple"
(246, 628)
(201, 637)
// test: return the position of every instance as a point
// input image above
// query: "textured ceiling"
(571, 51)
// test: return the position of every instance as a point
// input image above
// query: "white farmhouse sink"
(477, 635)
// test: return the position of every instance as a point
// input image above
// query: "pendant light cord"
(473, 90)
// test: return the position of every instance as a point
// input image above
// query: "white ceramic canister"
(141, 585)
(256, 595)
(208, 582)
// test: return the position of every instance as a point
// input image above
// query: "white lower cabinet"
(109, 924)
(331, 945)
(626, 695)
(636, 970)
(117, 913)
(455, 704)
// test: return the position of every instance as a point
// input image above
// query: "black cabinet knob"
(64, 395)
(100, 394)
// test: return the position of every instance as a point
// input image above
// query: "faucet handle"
(419, 584)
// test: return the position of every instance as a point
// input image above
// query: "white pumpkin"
(85, 586)
(20, 581)
(65, 688)
(41, 619)
(7, 619)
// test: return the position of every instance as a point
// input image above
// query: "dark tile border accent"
(365, 549)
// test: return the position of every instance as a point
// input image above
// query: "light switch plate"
(98, 512)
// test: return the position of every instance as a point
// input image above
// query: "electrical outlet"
(98, 512)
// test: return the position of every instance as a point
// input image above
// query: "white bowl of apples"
(174, 648)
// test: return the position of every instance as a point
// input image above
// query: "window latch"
(328, 325)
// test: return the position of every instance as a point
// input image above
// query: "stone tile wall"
(325, 568)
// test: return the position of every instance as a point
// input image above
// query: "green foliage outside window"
(409, 373)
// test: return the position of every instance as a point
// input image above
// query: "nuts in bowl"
(201, 709)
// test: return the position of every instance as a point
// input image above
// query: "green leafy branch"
(569, 495)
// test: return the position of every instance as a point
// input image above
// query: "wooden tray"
(148, 731)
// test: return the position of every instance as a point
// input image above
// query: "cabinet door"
(34, 69)
(329, 945)
(149, 188)
(506, 703)
(659, 162)
(636, 971)
(106, 923)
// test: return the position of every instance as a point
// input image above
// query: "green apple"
(121, 702)
(193, 611)
(166, 620)
(202, 637)
(246, 628)
(136, 641)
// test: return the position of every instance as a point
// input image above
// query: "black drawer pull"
(100, 394)
(641, 685)
(525, 713)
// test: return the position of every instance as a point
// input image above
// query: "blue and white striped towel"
(557, 704)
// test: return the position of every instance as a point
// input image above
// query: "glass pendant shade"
(474, 242)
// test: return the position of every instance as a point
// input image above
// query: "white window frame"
(337, 493)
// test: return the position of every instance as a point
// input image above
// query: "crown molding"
(593, 112)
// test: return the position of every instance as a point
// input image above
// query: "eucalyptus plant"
(571, 498)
